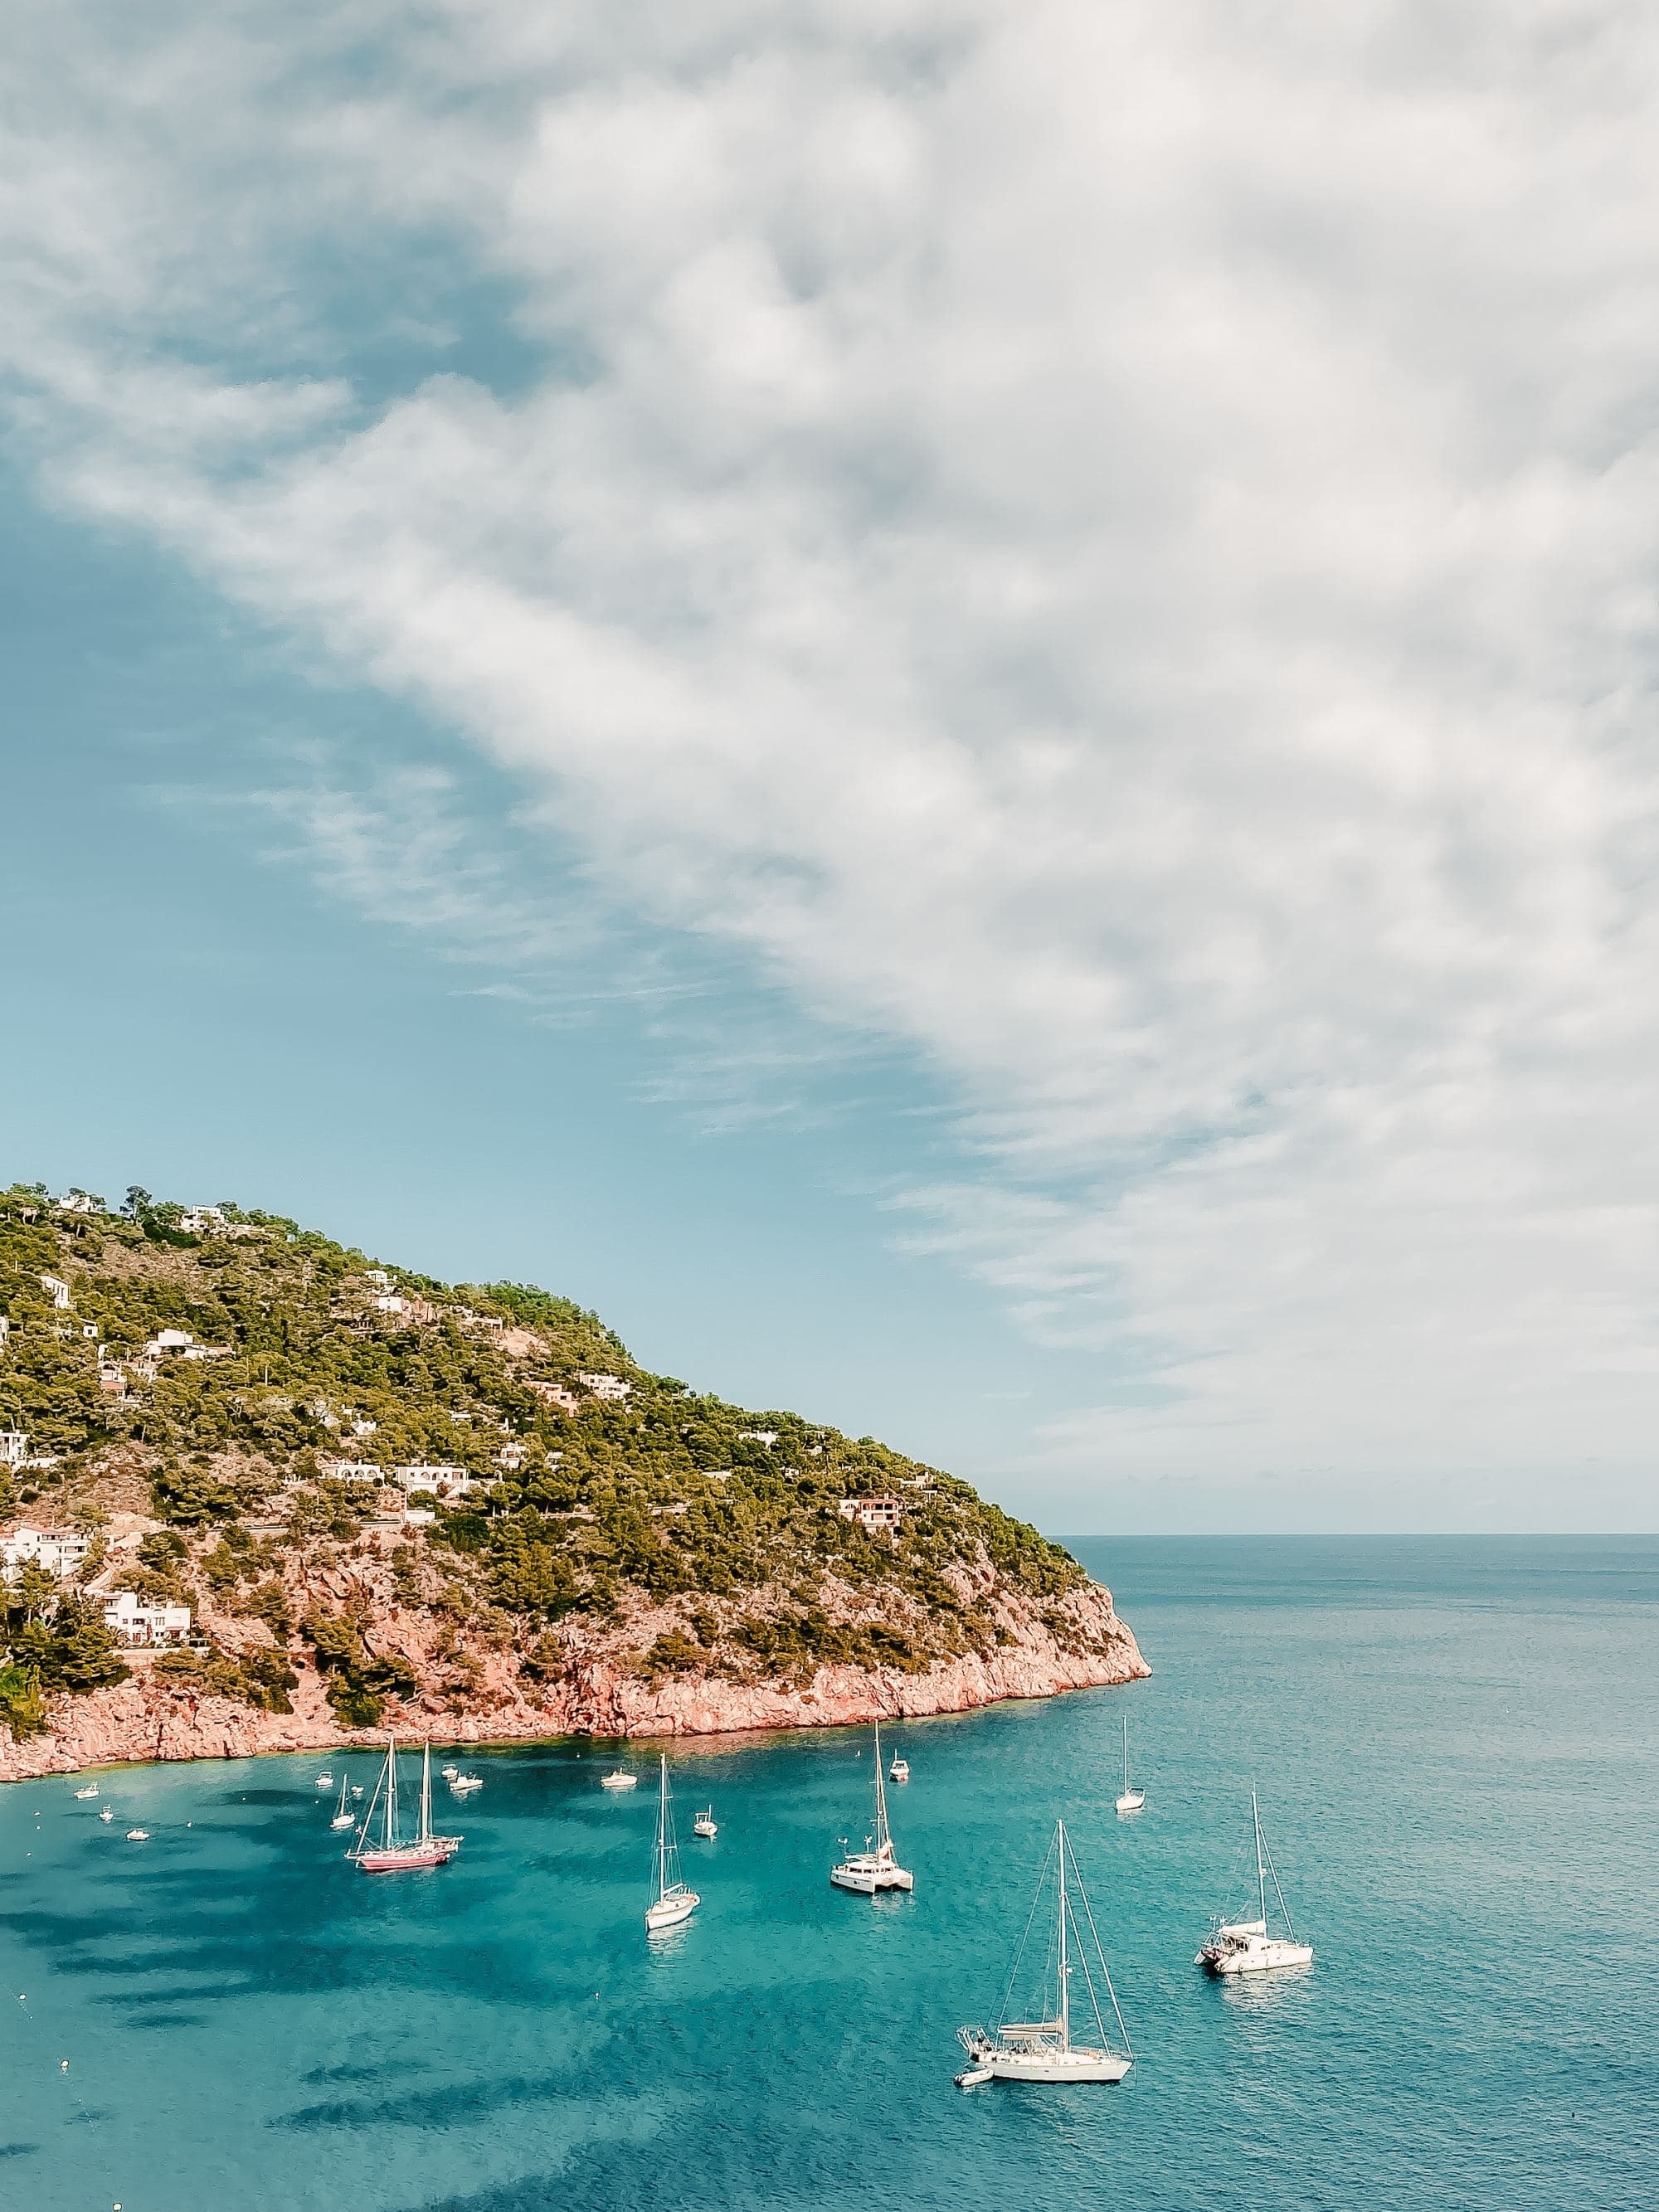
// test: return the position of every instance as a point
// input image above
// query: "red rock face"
(598, 1693)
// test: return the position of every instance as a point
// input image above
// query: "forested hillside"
(233, 1407)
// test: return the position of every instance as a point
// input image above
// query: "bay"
(1457, 1743)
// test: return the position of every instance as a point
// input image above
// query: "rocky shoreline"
(149, 1718)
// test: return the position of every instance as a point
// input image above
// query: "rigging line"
(1083, 1951)
(1007, 1987)
(1278, 1891)
(1100, 1951)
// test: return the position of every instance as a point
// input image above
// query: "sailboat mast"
(662, 1831)
(884, 1841)
(1126, 1755)
(426, 1790)
(1260, 1864)
(1065, 1992)
(391, 1790)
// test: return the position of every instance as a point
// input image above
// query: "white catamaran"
(1129, 1800)
(1245, 1946)
(672, 1902)
(874, 1867)
(1044, 2050)
(392, 1855)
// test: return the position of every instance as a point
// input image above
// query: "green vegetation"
(306, 1360)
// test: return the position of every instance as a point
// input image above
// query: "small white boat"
(356, 1789)
(874, 1867)
(673, 1901)
(1248, 1947)
(449, 1772)
(705, 1824)
(1128, 1800)
(1042, 2048)
(900, 1770)
(463, 1785)
(622, 1779)
(108, 1813)
(137, 1835)
(324, 1780)
(91, 1790)
(343, 1815)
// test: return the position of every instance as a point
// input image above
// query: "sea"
(1455, 1744)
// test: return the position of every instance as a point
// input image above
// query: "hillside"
(388, 1500)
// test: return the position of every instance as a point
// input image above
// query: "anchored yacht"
(1128, 1800)
(673, 1901)
(392, 1855)
(1044, 2049)
(874, 1867)
(1248, 1947)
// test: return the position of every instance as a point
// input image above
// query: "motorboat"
(463, 1785)
(393, 1854)
(324, 1780)
(673, 1901)
(875, 1867)
(900, 1770)
(1044, 2048)
(108, 1813)
(622, 1779)
(1128, 1800)
(705, 1824)
(449, 1772)
(91, 1790)
(1250, 1947)
(137, 1835)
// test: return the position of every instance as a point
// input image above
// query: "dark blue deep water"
(1457, 1746)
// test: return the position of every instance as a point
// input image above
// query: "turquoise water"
(1457, 1744)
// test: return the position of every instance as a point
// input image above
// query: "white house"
(510, 1456)
(605, 1385)
(767, 1436)
(881, 1511)
(390, 1302)
(80, 1201)
(137, 1624)
(353, 1470)
(57, 1291)
(445, 1481)
(202, 1220)
(167, 1341)
(14, 1447)
(60, 1551)
(417, 1516)
(5, 1328)
(380, 1278)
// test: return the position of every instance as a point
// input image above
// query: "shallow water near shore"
(1457, 1746)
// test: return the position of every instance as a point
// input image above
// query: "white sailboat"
(1128, 1800)
(1044, 2050)
(391, 1854)
(343, 1815)
(673, 1902)
(1246, 1947)
(705, 1825)
(874, 1867)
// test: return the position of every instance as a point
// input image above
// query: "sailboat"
(705, 1825)
(673, 1901)
(392, 1855)
(1129, 1800)
(1044, 2050)
(875, 1867)
(1245, 1946)
(343, 1815)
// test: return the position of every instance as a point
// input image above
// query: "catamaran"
(874, 1867)
(343, 1815)
(673, 1901)
(1129, 1800)
(1044, 2050)
(392, 1855)
(1245, 1946)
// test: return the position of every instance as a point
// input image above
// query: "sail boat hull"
(670, 1910)
(1251, 1954)
(1074, 2065)
(1132, 1800)
(410, 1858)
(865, 1876)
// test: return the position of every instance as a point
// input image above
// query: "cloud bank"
(1111, 550)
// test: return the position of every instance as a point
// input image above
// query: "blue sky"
(946, 702)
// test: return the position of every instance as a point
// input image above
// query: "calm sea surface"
(1457, 1747)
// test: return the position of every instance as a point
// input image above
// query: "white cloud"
(1112, 548)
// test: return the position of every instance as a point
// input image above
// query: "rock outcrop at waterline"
(150, 1717)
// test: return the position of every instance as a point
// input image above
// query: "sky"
(949, 701)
